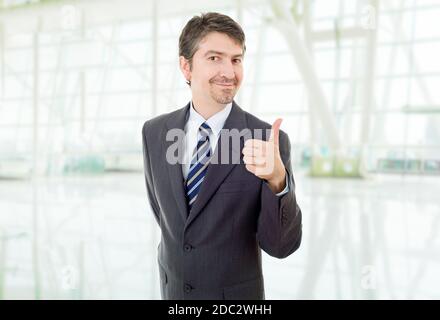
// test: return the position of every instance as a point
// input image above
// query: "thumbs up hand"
(263, 159)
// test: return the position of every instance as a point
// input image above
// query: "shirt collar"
(216, 121)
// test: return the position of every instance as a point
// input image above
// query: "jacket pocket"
(248, 290)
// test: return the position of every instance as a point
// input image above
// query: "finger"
(256, 170)
(275, 131)
(257, 161)
(251, 168)
(253, 152)
(255, 143)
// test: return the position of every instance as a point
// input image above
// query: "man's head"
(211, 50)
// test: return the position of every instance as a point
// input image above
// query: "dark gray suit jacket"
(213, 251)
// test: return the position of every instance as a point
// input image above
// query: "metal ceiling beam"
(287, 26)
(369, 90)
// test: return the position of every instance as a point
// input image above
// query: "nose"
(227, 70)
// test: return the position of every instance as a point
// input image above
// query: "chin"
(223, 100)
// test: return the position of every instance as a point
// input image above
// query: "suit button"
(187, 288)
(187, 247)
(285, 210)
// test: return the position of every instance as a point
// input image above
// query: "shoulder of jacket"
(158, 121)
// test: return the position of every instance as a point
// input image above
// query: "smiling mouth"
(229, 85)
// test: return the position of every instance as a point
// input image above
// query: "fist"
(263, 159)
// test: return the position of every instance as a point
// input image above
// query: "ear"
(185, 68)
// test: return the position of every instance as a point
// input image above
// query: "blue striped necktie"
(198, 165)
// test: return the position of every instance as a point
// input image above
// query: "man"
(216, 216)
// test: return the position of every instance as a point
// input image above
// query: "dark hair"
(199, 26)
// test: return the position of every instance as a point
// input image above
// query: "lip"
(229, 85)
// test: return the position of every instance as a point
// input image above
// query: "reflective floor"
(94, 238)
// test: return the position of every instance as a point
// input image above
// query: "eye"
(236, 61)
(213, 58)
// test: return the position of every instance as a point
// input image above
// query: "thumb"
(275, 131)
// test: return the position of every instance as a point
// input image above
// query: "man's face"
(217, 70)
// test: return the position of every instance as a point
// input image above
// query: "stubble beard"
(222, 95)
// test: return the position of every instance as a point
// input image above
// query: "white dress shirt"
(192, 135)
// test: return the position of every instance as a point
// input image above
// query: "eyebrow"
(221, 54)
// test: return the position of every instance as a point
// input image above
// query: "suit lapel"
(175, 170)
(216, 173)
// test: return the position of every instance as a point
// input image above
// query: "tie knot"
(205, 130)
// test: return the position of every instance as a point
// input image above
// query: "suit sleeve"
(280, 221)
(148, 176)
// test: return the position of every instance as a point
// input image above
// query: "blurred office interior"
(356, 82)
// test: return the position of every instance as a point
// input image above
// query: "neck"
(207, 109)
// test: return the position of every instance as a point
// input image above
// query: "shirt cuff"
(286, 189)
